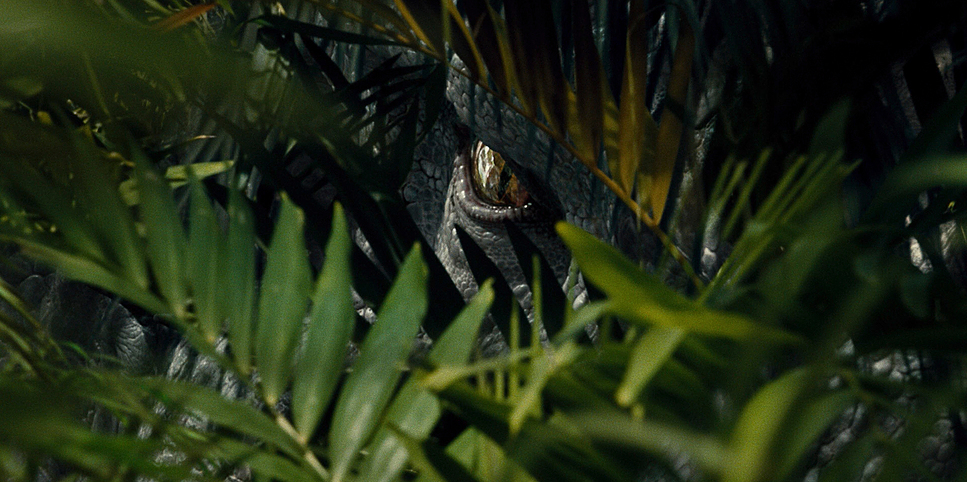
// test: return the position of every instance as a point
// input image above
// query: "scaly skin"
(439, 198)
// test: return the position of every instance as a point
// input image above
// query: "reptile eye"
(486, 189)
(493, 180)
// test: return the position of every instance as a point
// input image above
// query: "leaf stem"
(307, 454)
(230, 363)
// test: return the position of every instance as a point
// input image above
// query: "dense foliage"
(149, 150)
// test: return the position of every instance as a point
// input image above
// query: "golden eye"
(493, 180)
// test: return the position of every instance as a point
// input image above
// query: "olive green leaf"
(165, 237)
(383, 353)
(414, 411)
(656, 438)
(176, 176)
(654, 348)
(641, 298)
(591, 88)
(637, 131)
(331, 323)
(759, 427)
(263, 463)
(282, 302)
(656, 178)
(204, 256)
(215, 408)
(240, 286)
(425, 20)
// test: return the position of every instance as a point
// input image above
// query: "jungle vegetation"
(829, 344)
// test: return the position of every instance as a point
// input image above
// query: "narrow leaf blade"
(204, 270)
(240, 265)
(238, 416)
(330, 330)
(642, 298)
(415, 411)
(370, 386)
(648, 356)
(590, 84)
(165, 237)
(671, 128)
(282, 302)
(637, 131)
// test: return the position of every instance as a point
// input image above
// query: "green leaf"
(658, 439)
(642, 298)
(382, 9)
(531, 29)
(382, 355)
(760, 427)
(551, 306)
(165, 238)
(637, 130)
(234, 415)
(240, 284)
(415, 410)
(331, 324)
(402, 156)
(811, 422)
(425, 20)
(557, 451)
(20, 347)
(493, 44)
(670, 130)
(41, 420)
(850, 464)
(468, 448)
(801, 201)
(650, 353)
(433, 463)
(829, 137)
(744, 197)
(590, 85)
(262, 462)
(181, 174)
(176, 176)
(413, 413)
(907, 180)
(204, 263)
(548, 451)
(457, 343)
(462, 43)
(483, 268)
(578, 322)
(940, 130)
(282, 302)
(83, 269)
(95, 187)
(527, 402)
(9, 295)
(435, 94)
(14, 88)
(22, 182)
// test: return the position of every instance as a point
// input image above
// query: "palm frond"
(183, 270)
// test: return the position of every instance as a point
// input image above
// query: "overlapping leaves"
(708, 378)
(147, 257)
